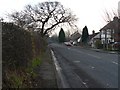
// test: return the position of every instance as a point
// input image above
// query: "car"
(116, 45)
(67, 43)
(74, 43)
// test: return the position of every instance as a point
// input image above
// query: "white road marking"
(68, 48)
(84, 84)
(81, 81)
(59, 69)
(88, 54)
(76, 61)
(107, 85)
(92, 67)
(93, 56)
(115, 62)
(55, 61)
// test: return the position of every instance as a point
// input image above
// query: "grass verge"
(23, 77)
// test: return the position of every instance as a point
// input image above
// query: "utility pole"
(105, 38)
(100, 35)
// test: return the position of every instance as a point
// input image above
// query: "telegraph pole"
(106, 39)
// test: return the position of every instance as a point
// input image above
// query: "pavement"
(84, 68)
(99, 50)
(46, 77)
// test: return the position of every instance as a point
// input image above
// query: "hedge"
(19, 49)
(19, 46)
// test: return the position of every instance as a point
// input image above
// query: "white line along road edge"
(60, 77)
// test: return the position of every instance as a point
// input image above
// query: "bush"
(20, 48)
(98, 44)
(16, 46)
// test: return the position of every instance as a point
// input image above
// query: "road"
(0, 55)
(83, 68)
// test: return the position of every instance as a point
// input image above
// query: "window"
(108, 31)
(103, 41)
(103, 32)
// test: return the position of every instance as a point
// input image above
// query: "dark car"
(116, 45)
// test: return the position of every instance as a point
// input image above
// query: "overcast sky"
(89, 12)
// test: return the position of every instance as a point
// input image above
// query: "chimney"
(115, 18)
(93, 32)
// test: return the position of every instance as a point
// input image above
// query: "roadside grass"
(23, 77)
(34, 63)
(16, 80)
(22, 53)
(32, 76)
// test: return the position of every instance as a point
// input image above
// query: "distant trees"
(61, 36)
(1, 19)
(85, 35)
(44, 16)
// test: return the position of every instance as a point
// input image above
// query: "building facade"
(109, 34)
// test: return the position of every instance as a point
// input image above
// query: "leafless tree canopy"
(1, 19)
(110, 15)
(44, 16)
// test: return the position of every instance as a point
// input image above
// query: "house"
(92, 38)
(109, 34)
(75, 36)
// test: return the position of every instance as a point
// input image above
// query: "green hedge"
(19, 49)
(19, 46)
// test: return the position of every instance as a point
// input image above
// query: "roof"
(92, 35)
(75, 35)
(97, 36)
(112, 24)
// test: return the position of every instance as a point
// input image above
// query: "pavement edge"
(61, 82)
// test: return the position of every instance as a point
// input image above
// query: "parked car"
(67, 43)
(75, 43)
(116, 45)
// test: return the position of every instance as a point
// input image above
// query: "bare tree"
(45, 16)
(67, 33)
(1, 19)
(18, 18)
(110, 15)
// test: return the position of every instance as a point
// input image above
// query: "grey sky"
(89, 12)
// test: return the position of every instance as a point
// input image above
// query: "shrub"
(16, 46)
(98, 44)
(20, 49)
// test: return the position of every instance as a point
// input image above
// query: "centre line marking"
(93, 56)
(76, 61)
(115, 62)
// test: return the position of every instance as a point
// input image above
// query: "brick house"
(92, 38)
(110, 33)
(75, 36)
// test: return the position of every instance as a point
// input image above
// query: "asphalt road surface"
(84, 68)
